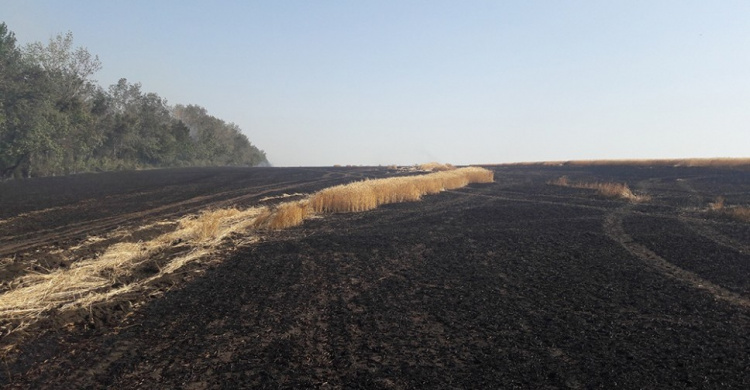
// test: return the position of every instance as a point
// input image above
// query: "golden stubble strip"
(738, 212)
(99, 279)
(369, 194)
(728, 162)
(605, 189)
(93, 280)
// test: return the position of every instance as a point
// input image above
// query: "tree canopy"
(55, 119)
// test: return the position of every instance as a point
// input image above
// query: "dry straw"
(435, 167)
(104, 277)
(369, 194)
(718, 162)
(89, 281)
(741, 213)
(606, 189)
(685, 162)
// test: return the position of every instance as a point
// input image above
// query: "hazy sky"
(381, 82)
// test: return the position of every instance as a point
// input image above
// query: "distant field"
(529, 281)
(684, 162)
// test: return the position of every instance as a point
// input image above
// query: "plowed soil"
(514, 284)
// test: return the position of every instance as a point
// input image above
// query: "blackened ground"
(515, 284)
(40, 218)
(62, 209)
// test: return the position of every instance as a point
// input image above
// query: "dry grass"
(91, 280)
(740, 213)
(285, 215)
(210, 227)
(685, 162)
(561, 181)
(605, 189)
(282, 196)
(369, 194)
(616, 190)
(435, 167)
(717, 205)
(719, 162)
(40, 292)
(105, 277)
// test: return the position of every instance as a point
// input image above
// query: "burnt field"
(512, 284)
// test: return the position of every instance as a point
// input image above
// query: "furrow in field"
(15, 244)
(703, 229)
(613, 227)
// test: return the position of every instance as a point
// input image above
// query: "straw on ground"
(106, 276)
(606, 189)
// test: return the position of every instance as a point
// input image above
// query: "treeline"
(55, 120)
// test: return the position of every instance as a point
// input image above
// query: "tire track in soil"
(701, 228)
(43, 211)
(532, 201)
(73, 230)
(696, 199)
(93, 227)
(306, 327)
(124, 353)
(613, 227)
(195, 203)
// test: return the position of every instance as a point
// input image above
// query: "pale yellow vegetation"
(606, 189)
(684, 162)
(282, 196)
(89, 281)
(719, 162)
(717, 205)
(369, 194)
(283, 216)
(101, 278)
(741, 213)
(435, 167)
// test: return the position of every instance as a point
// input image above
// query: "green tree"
(141, 129)
(28, 116)
(73, 67)
(218, 142)
(45, 126)
(69, 70)
(54, 119)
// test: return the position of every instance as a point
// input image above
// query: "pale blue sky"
(381, 82)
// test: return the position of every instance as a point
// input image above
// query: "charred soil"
(513, 284)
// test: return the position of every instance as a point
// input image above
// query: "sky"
(316, 83)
